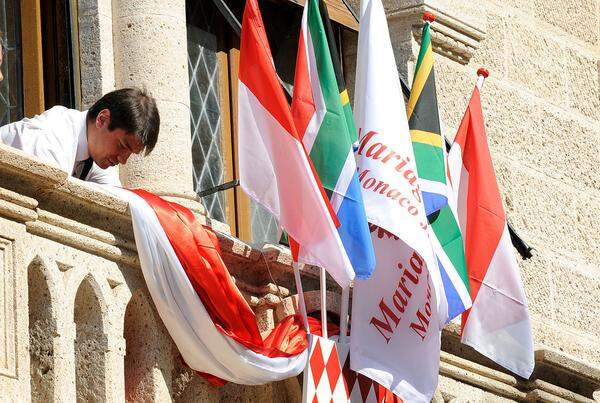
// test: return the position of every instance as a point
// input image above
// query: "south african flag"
(430, 155)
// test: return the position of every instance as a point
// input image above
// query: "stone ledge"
(557, 376)
(82, 215)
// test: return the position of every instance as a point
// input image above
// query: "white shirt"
(59, 138)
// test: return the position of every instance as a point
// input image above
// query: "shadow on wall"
(42, 331)
(90, 343)
(148, 357)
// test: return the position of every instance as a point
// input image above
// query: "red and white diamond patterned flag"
(323, 380)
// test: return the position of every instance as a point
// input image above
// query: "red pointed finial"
(482, 71)
(428, 17)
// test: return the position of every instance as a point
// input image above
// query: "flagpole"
(482, 74)
(344, 314)
(300, 292)
(324, 304)
(295, 248)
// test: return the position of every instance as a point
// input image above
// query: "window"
(213, 58)
(49, 54)
(210, 107)
(60, 53)
(11, 89)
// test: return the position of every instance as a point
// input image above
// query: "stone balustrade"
(78, 323)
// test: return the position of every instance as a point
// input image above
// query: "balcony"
(78, 322)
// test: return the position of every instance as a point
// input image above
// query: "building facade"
(77, 321)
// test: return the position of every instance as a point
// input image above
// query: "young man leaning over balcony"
(89, 144)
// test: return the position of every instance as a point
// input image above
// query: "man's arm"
(108, 176)
(38, 141)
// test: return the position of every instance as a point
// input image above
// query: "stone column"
(150, 50)
(64, 362)
(114, 372)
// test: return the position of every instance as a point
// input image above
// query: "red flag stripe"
(256, 54)
(303, 105)
(485, 214)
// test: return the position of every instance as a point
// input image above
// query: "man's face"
(108, 148)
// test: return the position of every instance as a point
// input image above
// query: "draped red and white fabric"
(211, 323)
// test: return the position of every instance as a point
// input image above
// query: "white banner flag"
(396, 319)
(395, 332)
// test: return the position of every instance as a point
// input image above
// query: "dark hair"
(133, 110)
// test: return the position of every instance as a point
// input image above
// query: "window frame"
(238, 209)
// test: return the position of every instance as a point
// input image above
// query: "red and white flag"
(323, 379)
(211, 323)
(498, 323)
(275, 169)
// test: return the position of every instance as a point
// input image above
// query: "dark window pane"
(11, 89)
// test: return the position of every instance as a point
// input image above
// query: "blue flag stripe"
(354, 231)
(455, 304)
(433, 201)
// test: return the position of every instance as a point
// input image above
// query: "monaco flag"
(498, 323)
(398, 313)
(275, 169)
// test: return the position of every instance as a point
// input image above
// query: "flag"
(497, 324)
(447, 241)
(425, 131)
(325, 124)
(395, 337)
(274, 167)
(396, 319)
(429, 146)
(323, 379)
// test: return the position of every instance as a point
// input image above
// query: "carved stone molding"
(557, 376)
(8, 341)
(456, 32)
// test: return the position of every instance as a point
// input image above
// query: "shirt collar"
(82, 153)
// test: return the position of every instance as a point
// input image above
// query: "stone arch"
(90, 342)
(148, 352)
(42, 331)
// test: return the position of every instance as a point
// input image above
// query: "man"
(88, 145)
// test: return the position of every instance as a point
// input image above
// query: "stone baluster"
(64, 362)
(114, 368)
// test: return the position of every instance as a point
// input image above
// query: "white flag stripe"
(454, 277)
(509, 331)
(433, 186)
(341, 187)
(315, 123)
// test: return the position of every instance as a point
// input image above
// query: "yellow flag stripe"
(344, 97)
(420, 80)
(420, 136)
